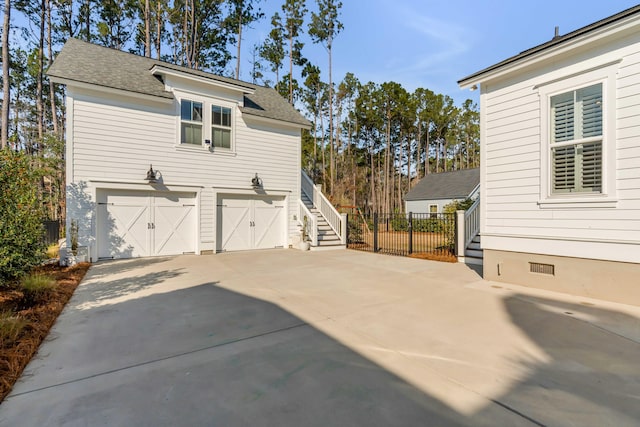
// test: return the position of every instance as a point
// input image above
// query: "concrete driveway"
(342, 338)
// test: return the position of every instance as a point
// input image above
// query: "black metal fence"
(51, 231)
(420, 235)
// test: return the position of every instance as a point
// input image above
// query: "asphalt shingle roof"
(446, 185)
(87, 63)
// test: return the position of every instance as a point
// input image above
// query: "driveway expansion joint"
(161, 359)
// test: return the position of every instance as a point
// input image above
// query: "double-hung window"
(221, 126)
(433, 211)
(191, 122)
(577, 141)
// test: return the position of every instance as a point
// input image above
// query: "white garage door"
(144, 223)
(256, 222)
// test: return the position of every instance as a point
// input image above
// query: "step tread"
(473, 253)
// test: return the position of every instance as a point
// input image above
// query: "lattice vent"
(535, 267)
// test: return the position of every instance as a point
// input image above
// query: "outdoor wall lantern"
(256, 182)
(151, 176)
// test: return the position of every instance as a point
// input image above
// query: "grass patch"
(53, 251)
(11, 326)
(26, 326)
(36, 288)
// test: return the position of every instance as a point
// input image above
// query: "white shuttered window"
(576, 141)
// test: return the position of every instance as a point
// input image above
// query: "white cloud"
(437, 42)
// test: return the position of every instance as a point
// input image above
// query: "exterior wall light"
(151, 176)
(256, 182)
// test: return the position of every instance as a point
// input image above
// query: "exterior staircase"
(473, 252)
(327, 238)
(325, 227)
(469, 235)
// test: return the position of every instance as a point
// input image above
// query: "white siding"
(512, 166)
(116, 139)
(422, 206)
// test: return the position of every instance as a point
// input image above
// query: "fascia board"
(158, 69)
(269, 120)
(110, 90)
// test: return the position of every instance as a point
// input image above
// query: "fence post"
(460, 239)
(410, 229)
(345, 229)
(375, 232)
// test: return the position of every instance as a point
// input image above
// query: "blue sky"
(433, 44)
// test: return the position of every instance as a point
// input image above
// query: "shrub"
(53, 251)
(399, 222)
(429, 225)
(36, 288)
(21, 231)
(11, 326)
(458, 205)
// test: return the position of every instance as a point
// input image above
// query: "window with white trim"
(577, 140)
(221, 127)
(190, 122)
(433, 211)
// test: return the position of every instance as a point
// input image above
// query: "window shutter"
(591, 166)
(591, 99)
(563, 113)
(564, 168)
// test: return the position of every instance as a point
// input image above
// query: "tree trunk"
(87, 19)
(6, 95)
(372, 179)
(332, 160)
(324, 161)
(147, 29)
(158, 29)
(239, 43)
(39, 91)
(291, 73)
(426, 154)
(52, 93)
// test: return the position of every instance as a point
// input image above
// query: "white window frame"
(433, 214)
(605, 75)
(222, 127)
(200, 123)
(207, 123)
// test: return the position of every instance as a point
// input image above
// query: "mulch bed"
(14, 356)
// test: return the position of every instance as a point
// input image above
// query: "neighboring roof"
(446, 185)
(87, 63)
(554, 42)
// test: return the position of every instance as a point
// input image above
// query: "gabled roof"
(446, 185)
(555, 42)
(87, 63)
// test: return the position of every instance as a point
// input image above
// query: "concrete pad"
(326, 338)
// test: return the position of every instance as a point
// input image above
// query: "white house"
(437, 190)
(165, 160)
(560, 162)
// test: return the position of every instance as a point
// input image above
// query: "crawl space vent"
(535, 267)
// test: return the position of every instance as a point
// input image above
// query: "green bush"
(430, 225)
(400, 223)
(36, 288)
(458, 205)
(11, 326)
(21, 232)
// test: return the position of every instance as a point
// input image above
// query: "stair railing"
(311, 225)
(471, 222)
(336, 221)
